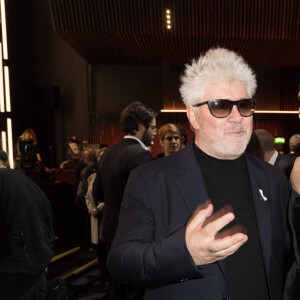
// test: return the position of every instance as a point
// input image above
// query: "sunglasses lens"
(246, 107)
(220, 108)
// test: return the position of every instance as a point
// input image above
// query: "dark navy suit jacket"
(285, 163)
(150, 250)
(26, 234)
(113, 170)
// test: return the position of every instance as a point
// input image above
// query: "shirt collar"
(135, 138)
(273, 158)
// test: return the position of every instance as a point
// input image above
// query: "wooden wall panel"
(289, 88)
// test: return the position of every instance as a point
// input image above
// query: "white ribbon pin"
(262, 195)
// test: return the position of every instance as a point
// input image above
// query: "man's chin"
(232, 152)
(235, 152)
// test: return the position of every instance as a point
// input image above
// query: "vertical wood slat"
(289, 89)
(136, 33)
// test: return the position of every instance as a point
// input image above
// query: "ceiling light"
(168, 19)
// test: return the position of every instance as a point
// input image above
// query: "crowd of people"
(215, 217)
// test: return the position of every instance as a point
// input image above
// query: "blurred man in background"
(26, 235)
(139, 125)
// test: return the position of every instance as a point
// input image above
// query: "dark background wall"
(58, 94)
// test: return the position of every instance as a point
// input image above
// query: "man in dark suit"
(139, 125)
(271, 155)
(178, 244)
(26, 236)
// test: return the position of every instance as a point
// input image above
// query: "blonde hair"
(168, 127)
(29, 134)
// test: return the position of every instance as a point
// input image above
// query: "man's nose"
(235, 115)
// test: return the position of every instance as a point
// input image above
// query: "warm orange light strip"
(257, 111)
(173, 110)
(276, 112)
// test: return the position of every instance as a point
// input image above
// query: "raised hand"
(205, 239)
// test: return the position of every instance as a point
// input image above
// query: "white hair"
(217, 65)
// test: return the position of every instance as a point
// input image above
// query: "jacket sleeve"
(136, 256)
(97, 190)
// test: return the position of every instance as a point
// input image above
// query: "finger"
(228, 243)
(213, 227)
(232, 249)
(231, 231)
(218, 214)
(200, 215)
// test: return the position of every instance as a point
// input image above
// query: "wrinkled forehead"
(233, 90)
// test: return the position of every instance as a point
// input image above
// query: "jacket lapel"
(189, 180)
(260, 192)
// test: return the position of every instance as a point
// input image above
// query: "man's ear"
(141, 130)
(140, 127)
(190, 112)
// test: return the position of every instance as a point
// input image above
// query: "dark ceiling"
(265, 32)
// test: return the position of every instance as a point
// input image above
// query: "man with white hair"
(208, 222)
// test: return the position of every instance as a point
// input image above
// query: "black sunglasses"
(221, 108)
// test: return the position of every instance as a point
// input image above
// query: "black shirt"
(227, 183)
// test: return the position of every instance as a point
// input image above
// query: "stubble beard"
(147, 138)
(223, 148)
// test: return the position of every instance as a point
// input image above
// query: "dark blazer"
(26, 233)
(112, 174)
(149, 249)
(285, 163)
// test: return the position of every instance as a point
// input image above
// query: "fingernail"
(230, 216)
(206, 203)
(240, 237)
